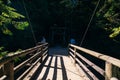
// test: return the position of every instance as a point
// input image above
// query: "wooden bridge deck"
(58, 66)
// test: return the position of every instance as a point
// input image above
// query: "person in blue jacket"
(72, 41)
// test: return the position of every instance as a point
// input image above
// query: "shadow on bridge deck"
(57, 66)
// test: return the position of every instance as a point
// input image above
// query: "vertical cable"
(88, 26)
(35, 41)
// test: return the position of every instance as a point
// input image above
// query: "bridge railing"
(84, 63)
(35, 55)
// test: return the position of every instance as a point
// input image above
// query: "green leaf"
(10, 16)
(116, 31)
(20, 25)
(7, 31)
(1, 48)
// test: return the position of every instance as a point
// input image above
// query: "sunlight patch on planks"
(59, 68)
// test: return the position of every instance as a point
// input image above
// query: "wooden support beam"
(108, 71)
(103, 57)
(74, 55)
(109, 61)
(91, 64)
(41, 55)
(9, 70)
(8, 63)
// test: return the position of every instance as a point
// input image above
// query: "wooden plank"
(17, 68)
(3, 77)
(71, 55)
(32, 72)
(82, 73)
(71, 50)
(71, 71)
(43, 56)
(71, 59)
(28, 70)
(10, 57)
(97, 68)
(92, 76)
(9, 67)
(46, 48)
(79, 69)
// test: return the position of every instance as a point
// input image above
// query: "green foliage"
(10, 22)
(2, 52)
(10, 17)
(6, 31)
(67, 3)
(109, 17)
(116, 31)
(18, 59)
(1, 48)
(20, 25)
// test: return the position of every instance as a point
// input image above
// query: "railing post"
(74, 55)
(41, 54)
(9, 70)
(68, 49)
(108, 71)
(48, 49)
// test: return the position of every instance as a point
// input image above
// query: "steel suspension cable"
(35, 40)
(88, 26)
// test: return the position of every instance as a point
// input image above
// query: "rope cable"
(35, 40)
(88, 26)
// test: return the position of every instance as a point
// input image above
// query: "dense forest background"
(102, 36)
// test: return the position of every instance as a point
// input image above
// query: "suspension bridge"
(44, 63)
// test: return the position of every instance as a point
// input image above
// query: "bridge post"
(9, 70)
(108, 71)
(41, 55)
(68, 50)
(74, 55)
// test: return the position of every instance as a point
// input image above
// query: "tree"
(9, 17)
(109, 17)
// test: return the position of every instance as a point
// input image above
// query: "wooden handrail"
(109, 61)
(38, 52)
(13, 56)
(97, 68)
(106, 58)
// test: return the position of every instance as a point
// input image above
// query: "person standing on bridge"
(72, 41)
(43, 40)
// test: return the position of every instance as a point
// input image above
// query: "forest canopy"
(10, 19)
(72, 14)
(23, 20)
(108, 17)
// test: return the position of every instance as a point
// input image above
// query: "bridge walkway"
(58, 66)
